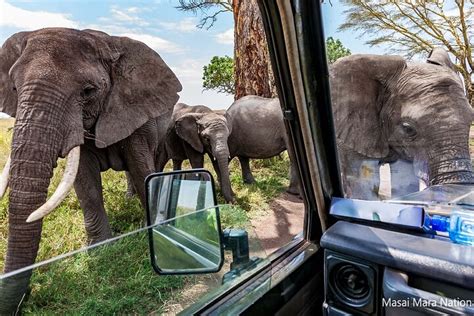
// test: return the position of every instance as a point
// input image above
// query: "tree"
(219, 75)
(416, 27)
(252, 70)
(335, 50)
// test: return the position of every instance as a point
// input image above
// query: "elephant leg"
(131, 191)
(196, 159)
(177, 164)
(88, 187)
(295, 181)
(247, 175)
(294, 187)
(140, 164)
(161, 160)
(403, 178)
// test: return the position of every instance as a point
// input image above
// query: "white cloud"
(128, 16)
(133, 10)
(155, 42)
(30, 20)
(186, 25)
(189, 70)
(226, 37)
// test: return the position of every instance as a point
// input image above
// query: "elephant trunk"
(454, 170)
(451, 163)
(221, 153)
(36, 145)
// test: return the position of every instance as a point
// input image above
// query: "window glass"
(116, 277)
(402, 90)
(89, 90)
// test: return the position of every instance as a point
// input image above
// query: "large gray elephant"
(89, 96)
(387, 110)
(258, 132)
(198, 130)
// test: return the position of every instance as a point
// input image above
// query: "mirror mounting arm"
(237, 240)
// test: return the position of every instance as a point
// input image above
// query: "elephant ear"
(143, 87)
(9, 54)
(439, 56)
(359, 85)
(187, 129)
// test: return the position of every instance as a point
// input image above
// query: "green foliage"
(219, 75)
(116, 279)
(335, 50)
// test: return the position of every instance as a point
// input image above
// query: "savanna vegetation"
(119, 278)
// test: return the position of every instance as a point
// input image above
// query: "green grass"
(119, 279)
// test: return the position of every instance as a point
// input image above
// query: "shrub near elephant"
(89, 96)
(404, 113)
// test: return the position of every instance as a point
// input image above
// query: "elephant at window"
(412, 115)
(94, 98)
(258, 132)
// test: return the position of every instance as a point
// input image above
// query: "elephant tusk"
(63, 188)
(4, 177)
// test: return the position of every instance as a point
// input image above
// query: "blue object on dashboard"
(459, 225)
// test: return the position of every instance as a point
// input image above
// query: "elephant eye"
(88, 91)
(408, 129)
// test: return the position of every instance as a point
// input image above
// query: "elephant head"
(386, 108)
(208, 133)
(60, 85)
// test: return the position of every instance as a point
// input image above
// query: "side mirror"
(185, 232)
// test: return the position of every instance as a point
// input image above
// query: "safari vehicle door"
(354, 268)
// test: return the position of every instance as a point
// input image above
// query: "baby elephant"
(258, 132)
(198, 130)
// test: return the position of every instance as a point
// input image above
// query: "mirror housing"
(185, 232)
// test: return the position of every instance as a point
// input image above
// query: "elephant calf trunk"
(63, 188)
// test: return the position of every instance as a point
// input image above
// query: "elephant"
(86, 95)
(412, 115)
(195, 131)
(258, 132)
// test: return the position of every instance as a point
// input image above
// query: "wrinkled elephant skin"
(69, 88)
(387, 110)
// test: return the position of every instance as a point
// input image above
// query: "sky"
(157, 23)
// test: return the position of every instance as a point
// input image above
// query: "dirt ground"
(284, 221)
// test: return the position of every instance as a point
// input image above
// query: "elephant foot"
(293, 191)
(98, 238)
(249, 180)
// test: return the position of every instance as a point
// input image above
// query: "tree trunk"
(253, 72)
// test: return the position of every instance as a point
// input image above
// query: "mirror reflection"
(175, 194)
(190, 242)
(189, 237)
